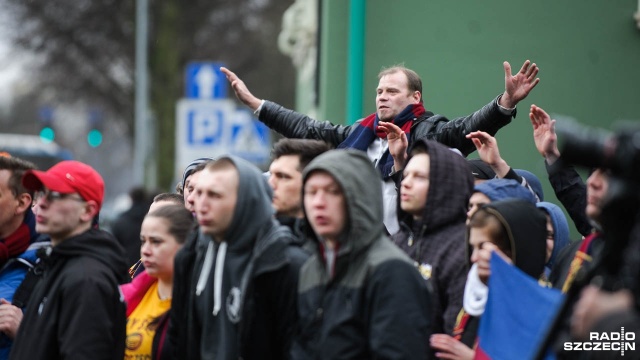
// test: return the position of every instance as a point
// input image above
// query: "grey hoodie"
(376, 305)
(241, 289)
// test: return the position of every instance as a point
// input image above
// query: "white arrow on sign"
(205, 79)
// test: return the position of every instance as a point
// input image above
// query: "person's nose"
(200, 206)
(382, 96)
(145, 249)
(42, 202)
(318, 201)
(474, 256)
(472, 209)
(406, 182)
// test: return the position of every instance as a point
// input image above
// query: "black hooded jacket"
(254, 271)
(76, 311)
(526, 228)
(376, 305)
(437, 241)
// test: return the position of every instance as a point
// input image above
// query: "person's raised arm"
(565, 181)
(519, 85)
(289, 123)
(488, 151)
(491, 117)
(242, 92)
(544, 134)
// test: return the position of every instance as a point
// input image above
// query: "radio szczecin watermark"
(605, 341)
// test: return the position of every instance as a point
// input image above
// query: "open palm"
(519, 85)
(544, 132)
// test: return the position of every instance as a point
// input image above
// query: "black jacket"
(452, 133)
(76, 311)
(297, 227)
(376, 305)
(572, 193)
(437, 242)
(256, 318)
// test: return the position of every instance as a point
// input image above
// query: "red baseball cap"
(68, 177)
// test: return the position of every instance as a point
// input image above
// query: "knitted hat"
(189, 169)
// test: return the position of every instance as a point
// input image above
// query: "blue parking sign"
(204, 128)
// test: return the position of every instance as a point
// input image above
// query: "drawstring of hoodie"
(217, 277)
(206, 269)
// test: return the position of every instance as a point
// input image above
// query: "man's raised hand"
(518, 86)
(242, 92)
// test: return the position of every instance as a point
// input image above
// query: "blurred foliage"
(83, 51)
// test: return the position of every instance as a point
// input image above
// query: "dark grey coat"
(376, 306)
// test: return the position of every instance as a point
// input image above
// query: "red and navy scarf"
(367, 130)
(16, 243)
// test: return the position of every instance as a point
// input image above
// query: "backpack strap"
(23, 292)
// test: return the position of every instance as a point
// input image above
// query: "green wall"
(588, 53)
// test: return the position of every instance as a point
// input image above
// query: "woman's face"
(480, 241)
(482, 245)
(158, 247)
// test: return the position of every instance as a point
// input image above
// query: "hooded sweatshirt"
(436, 242)
(533, 182)
(525, 226)
(372, 303)
(76, 310)
(560, 231)
(236, 298)
(500, 189)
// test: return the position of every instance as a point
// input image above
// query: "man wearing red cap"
(76, 310)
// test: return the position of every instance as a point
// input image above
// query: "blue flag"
(517, 315)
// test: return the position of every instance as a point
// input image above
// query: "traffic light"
(47, 132)
(94, 135)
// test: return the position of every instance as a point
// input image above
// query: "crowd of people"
(369, 241)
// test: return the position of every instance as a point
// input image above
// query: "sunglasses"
(52, 196)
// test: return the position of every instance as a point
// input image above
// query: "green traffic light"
(94, 138)
(47, 134)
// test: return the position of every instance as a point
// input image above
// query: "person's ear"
(91, 209)
(417, 97)
(24, 202)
